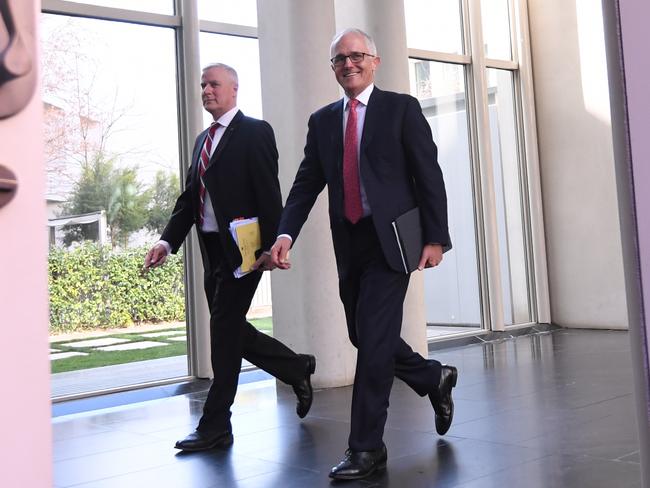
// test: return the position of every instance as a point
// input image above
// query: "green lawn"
(97, 358)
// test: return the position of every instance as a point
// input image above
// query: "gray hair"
(229, 69)
(370, 43)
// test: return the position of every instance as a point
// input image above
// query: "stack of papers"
(246, 233)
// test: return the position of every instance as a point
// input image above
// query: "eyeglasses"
(339, 60)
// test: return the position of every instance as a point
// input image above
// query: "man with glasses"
(234, 174)
(374, 151)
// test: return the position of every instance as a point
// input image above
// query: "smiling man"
(374, 151)
(234, 174)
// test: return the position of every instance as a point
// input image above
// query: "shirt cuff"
(287, 236)
(166, 245)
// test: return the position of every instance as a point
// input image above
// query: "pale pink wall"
(630, 37)
(25, 442)
(634, 26)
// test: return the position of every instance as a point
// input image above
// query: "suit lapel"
(336, 134)
(196, 155)
(374, 116)
(335, 127)
(225, 138)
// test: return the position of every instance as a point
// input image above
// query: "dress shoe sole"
(220, 443)
(378, 467)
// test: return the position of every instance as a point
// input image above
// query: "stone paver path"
(111, 341)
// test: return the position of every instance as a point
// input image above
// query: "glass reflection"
(242, 54)
(495, 17)
(510, 198)
(151, 6)
(451, 289)
(111, 150)
(434, 25)
(242, 12)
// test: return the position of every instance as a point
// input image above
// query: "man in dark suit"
(374, 151)
(234, 174)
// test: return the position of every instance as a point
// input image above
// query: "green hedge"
(93, 287)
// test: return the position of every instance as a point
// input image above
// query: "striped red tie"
(351, 188)
(203, 165)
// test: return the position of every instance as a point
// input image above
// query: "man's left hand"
(263, 263)
(431, 256)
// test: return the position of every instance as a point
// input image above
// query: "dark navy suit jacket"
(242, 181)
(399, 170)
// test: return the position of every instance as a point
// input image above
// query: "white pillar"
(297, 80)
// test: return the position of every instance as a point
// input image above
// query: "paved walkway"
(146, 338)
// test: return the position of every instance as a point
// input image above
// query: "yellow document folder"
(246, 233)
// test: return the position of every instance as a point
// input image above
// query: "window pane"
(434, 25)
(509, 197)
(451, 289)
(242, 54)
(152, 6)
(112, 161)
(496, 29)
(242, 12)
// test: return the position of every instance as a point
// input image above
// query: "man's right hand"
(280, 253)
(156, 256)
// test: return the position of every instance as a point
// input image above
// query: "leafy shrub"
(94, 287)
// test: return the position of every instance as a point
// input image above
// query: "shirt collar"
(226, 118)
(363, 97)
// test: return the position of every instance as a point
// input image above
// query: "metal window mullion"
(474, 156)
(524, 192)
(109, 13)
(501, 64)
(438, 56)
(533, 178)
(190, 124)
(492, 294)
(514, 30)
(227, 29)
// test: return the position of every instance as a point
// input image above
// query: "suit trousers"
(373, 298)
(232, 337)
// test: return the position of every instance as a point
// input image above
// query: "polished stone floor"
(537, 411)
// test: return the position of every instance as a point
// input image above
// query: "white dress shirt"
(363, 98)
(209, 219)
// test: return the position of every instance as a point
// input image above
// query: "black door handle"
(15, 61)
(8, 186)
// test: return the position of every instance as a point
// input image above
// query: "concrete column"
(384, 21)
(296, 81)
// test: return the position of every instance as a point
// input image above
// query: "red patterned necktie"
(351, 188)
(203, 164)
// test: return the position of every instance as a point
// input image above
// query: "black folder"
(408, 232)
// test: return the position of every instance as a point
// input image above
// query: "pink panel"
(634, 26)
(25, 455)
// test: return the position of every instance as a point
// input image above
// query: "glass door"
(110, 108)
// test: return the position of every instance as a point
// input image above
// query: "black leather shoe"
(303, 390)
(360, 464)
(441, 399)
(198, 441)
